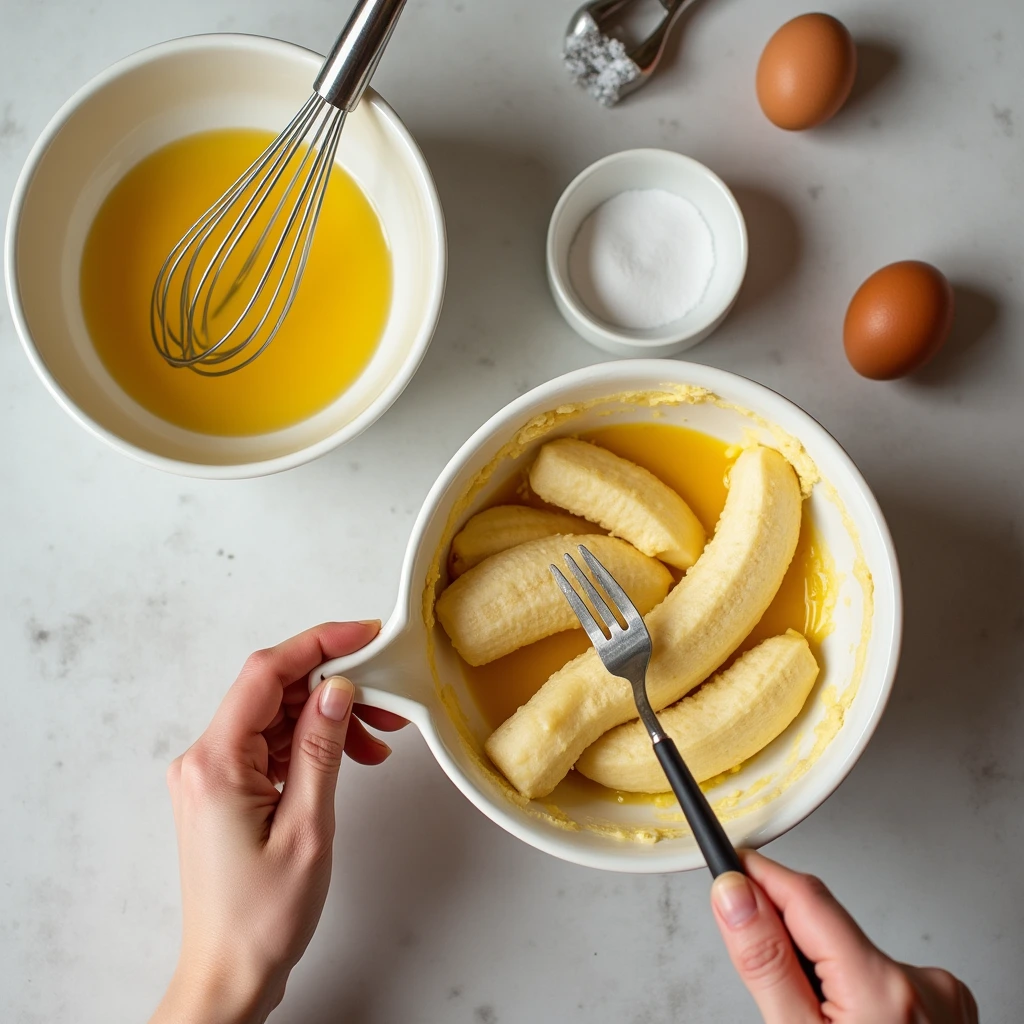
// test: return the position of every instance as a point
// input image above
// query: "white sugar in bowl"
(620, 180)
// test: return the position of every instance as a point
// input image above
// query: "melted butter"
(501, 686)
(806, 598)
(696, 465)
(326, 340)
(579, 788)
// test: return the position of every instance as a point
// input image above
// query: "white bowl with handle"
(411, 669)
(136, 106)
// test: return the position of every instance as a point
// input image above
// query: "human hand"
(255, 862)
(861, 984)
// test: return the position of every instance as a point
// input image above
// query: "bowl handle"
(389, 672)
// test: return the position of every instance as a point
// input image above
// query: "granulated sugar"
(642, 259)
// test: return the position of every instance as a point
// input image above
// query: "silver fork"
(625, 651)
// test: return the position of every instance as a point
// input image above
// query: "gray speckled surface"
(130, 597)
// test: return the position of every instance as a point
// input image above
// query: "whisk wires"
(194, 319)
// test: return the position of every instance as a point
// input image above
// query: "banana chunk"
(504, 526)
(730, 718)
(510, 599)
(627, 500)
(703, 620)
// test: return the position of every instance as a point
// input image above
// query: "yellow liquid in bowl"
(695, 465)
(326, 340)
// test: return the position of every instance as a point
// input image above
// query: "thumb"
(761, 951)
(307, 802)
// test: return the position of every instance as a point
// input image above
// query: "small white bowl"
(649, 169)
(126, 112)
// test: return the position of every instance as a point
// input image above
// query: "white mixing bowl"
(135, 107)
(411, 669)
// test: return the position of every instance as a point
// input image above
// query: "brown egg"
(897, 320)
(806, 71)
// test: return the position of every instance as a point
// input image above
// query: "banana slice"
(504, 526)
(730, 718)
(694, 630)
(510, 599)
(627, 500)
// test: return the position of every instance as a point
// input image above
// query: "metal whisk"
(289, 179)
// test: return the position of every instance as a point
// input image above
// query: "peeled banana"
(730, 718)
(505, 526)
(694, 630)
(627, 500)
(510, 599)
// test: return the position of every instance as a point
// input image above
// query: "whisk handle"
(354, 57)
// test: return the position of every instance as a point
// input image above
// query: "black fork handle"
(719, 853)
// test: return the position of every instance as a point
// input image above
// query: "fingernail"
(336, 698)
(370, 622)
(733, 898)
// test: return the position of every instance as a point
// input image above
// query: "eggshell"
(806, 71)
(898, 319)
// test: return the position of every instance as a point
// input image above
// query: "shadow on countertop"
(774, 243)
(960, 677)
(878, 62)
(871, 101)
(496, 203)
(972, 340)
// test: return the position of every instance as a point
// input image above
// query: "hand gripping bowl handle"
(388, 672)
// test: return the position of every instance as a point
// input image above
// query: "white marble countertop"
(130, 598)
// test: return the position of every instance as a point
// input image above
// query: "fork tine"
(587, 621)
(618, 596)
(607, 616)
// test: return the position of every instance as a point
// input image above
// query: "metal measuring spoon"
(600, 62)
